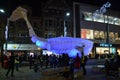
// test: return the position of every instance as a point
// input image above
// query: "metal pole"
(108, 39)
(65, 29)
(74, 22)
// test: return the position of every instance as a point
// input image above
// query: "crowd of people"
(41, 61)
(14, 61)
(112, 66)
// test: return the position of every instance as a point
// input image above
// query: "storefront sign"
(21, 47)
(105, 45)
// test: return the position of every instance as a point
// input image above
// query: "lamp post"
(65, 28)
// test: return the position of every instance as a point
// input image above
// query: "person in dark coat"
(117, 58)
(31, 61)
(83, 63)
(11, 63)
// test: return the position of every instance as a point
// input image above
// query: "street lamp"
(65, 28)
(2, 11)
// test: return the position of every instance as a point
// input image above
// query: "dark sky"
(10, 5)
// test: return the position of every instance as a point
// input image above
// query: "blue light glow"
(62, 45)
(34, 39)
(73, 53)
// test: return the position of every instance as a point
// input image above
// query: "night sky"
(10, 5)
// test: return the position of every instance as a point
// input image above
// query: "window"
(87, 16)
(35, 24)
(11, 35)
(116, 21)
(112, 36)
(46, 23)
(102, 35)
(116, 36)
(49, 35)
(99, 18)
(87, 33)
(106, 19)
(99, 35)
(96, 34)
(50, 23)
(110, 19)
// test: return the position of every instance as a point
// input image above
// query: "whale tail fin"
(19, 13)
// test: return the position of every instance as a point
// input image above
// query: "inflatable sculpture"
(58, 45)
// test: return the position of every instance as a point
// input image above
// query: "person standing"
(77, 61)
(46, 61)
(117, 58)
(5, 65)
(11, 63)
(31, 61)
(17, 62)
(83, 63)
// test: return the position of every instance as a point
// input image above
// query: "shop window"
(116, 36)
(99, 35)
(112, 36)
(87, 33)
(96, 34)
(102, 35)
(105, 50)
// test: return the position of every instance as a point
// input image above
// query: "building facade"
(103, 30)
(54, 15)
(49, 24)
(81, 24)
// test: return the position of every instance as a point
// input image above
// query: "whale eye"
(41, 44)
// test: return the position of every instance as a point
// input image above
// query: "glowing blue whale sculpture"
(58, 45)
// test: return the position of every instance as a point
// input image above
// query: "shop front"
(21, 49)
(103, 50)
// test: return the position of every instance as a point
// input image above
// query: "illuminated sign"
(102, 10)
(21, 47)
(105, 45)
